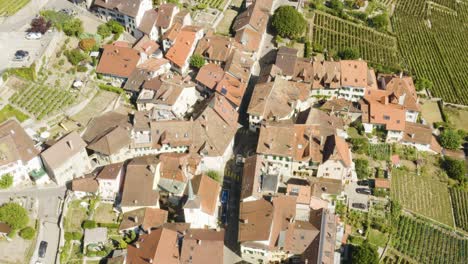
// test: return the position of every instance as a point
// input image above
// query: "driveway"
(354, 197)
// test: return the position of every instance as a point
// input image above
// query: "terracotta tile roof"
(209, 75)
(165, 14)
(86, 184)
(251, 177)
(148, 21)
(202, 246)
(327, 123)
(207, 192)
(145, 217)
(136, 79)
(160, 246)
(224, 109)
(146, 45)
(435, 146)
(129, 8)
(179, 53)
(276, 99)
(231, 88)
(304, 71)
(103, 124)
(153, 64)
(286, 60)
(340, 105)
(299, 236)
(256, 218)
(284, 211)
(20, 141)
(269, 73)
(354, 73)
(139, 186)
(255, 16)
(250, 39)
(112, 142)
(239, 65)
(178, 227)
(380, 108)
(118, 61)
(172, 33)
(326, 74)
(110, 172)
(174, 133)
(173, 166)
(417, 133)
(302, 192)
(404, 87)
(337, 149)
(382, 183)
(62, 150)
(216, 48)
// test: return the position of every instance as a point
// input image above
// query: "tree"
(27, 233)
(362, 168)
(365, 254)
(379, 21)
(6, 181)
(115, 27)
(14, 215)
(75, 56)
(455, 169)
(450, 139)
(360, 145)
(349, 54)
(288, 22)
(73, 27)
(336, 5)
(104, 31)
(423, 84)
(213, 175)
(197, 61)
(40, 24)
(87, 44)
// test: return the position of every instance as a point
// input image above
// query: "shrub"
(317, 47)
(362, 168)
(108, 225)
(360, 145)
(115, 27)
(40, 24)
(6, 181)
(213, 175)
(27, 233)
(14, 215)
(81, 68)
(111, 88)
(288, 22)
(379, 22)
(307, 49)
(87, 44)
(450, 139)
(455, 169)
(89, 224)
(197, 61)
(104, 31)
(75, 56)
(349, 54)
(73, 27)
(365, 253)
(423, 84)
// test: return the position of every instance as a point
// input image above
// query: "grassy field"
(431, 42)
(9, 111)
(423, 195)
(334, 33)
(430, 112)
(457, 117)
(10, 7)
(427, 243)
(377, 238)
(459, 200)
(75, 216)
(105, 214)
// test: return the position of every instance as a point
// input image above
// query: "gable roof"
(417, 133)
(251, 177)
(62, 150)
(146, 45)
(166, 12)
(336, 148)
(112, 142)
(217, 48)
(209, 75)
(145, 217)
(118, 61)
(231, 88)
(201, 246)
(160, 246)
(239, 65)
(180, 51)
(256, 218)
(404, 86)
(86, 184)
(18, 140)
(148, 21)
(127, 7)
(101, 125)
(110, 172)
(353, 73)
(286, 60)
(206, 191)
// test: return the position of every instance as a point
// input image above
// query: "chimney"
(70, 144)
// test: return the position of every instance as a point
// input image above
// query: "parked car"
(359, 205)
(34, 35)
(363, 183)
(42, 249)
(21, 55)
(363, 191)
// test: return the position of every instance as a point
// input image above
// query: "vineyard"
(433, 44)
(9, 7)
(42, 101)
(460, 207)
(219, 4)
(422, 194)
(334, 33)
(425, 243)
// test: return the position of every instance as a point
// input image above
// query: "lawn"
(105, 214)
(457, 117)
(377, 238)
(75, 216)
(9, 111)
(422, 194)
(224, 26)
(430, 112)
(9, 7)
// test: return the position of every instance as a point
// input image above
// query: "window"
(386, 117)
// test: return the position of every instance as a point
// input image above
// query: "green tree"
(115, 27)
(73, 27)
(197, 61)
(455, 168)
(423, 83)
(349, 54)
(379, 21)
(336, 5)
(365, 254)
(362, 168)
(14, 215)
(450, 139)
(6, 181)
(27, 233)
(75, 56)
(288, 22)
(104, 31)
(213, 175)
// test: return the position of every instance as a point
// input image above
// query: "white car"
(34, 35)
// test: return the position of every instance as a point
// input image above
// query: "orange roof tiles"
(180, 51)
(118, 61)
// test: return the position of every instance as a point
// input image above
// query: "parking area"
(354, 197)
(36, 48)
